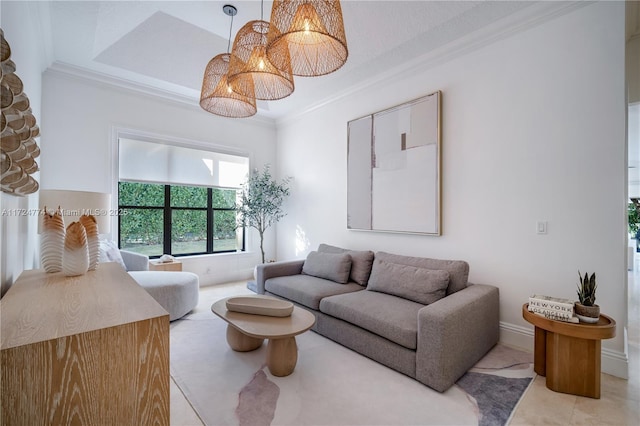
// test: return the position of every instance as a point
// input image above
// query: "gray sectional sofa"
(418, 316)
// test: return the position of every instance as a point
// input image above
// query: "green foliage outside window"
(140, 194)
(188, 196)
(142, 226)
(188, 225)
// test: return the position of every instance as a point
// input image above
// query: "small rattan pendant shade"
(310, 36)
(217, 97)
(249, 68)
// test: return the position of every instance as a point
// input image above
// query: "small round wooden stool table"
(246, 332)
(568, 354)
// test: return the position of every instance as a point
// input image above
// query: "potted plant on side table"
(586, 309)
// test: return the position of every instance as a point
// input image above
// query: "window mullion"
(209, 220)
(167, 220)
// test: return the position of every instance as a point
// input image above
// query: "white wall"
(80, 116)
(633, 137)
(18, 232)
(533, 130)
(633, 69)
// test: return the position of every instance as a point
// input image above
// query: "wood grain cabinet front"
(92, 349)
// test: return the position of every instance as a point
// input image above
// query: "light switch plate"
(541, 227)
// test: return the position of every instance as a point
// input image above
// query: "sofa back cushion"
(361, 262)
(331, 266)
(458, 269)
(409, 282)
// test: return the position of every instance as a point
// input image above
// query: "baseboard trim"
(614, 363)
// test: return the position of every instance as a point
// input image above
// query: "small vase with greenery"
(260, 203)
(586, 309)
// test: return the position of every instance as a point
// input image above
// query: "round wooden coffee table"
(246, 332)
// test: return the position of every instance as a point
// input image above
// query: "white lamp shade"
(76, 203)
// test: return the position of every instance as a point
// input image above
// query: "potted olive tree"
(586, 308)
(260, 202)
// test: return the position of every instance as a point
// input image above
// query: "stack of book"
(552, 308)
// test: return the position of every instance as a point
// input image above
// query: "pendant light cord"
(230, 30)
(262, 10)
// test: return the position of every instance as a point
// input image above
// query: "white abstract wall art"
(394, 169)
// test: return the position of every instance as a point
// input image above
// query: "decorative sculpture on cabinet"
(18, 129)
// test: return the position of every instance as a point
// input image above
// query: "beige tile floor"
(619, 404)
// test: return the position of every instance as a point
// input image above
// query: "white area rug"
(331, 384)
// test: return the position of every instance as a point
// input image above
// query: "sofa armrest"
(276, 269)
(454, 333)
(135, 261)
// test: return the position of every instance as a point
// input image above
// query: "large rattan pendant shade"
(218, 98)
(310, 36)
(249, 68)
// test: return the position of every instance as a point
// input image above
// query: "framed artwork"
(394, 169)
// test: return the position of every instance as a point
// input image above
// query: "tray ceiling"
(165, 45)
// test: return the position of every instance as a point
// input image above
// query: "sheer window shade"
(159, 163)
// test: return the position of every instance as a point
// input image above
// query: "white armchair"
(176, 292)
(135, 261)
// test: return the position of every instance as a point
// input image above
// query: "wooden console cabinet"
(91, 350)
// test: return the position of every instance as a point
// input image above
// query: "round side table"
(568, 354)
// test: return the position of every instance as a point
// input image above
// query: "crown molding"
(99, 79)
(520, 21)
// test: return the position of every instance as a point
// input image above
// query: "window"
(178, 200)
(177, 219)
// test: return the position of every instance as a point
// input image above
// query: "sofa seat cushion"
(458, 269)
(391, 317)
(307, 290)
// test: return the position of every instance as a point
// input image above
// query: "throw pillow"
(361, 262)
(330, 266)
(458, 269)
(109, 252)
(417, 284)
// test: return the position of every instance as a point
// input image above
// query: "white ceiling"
(164, 46)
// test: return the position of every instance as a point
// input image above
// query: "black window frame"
(167, 210)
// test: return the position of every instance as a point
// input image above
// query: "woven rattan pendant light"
(251, 69)
(310, 36)
(216, 96)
